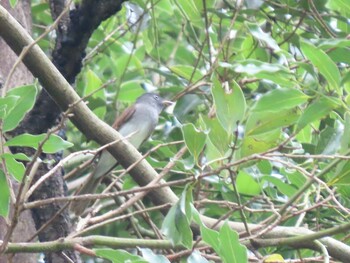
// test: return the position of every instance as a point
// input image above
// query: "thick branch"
(94, 128)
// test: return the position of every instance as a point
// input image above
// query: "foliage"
(261, 90)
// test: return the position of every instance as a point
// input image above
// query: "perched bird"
(137, 124)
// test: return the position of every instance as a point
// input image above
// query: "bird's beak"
(167, 103)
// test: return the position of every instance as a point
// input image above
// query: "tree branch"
(124, 152)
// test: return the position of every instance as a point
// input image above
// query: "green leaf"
(118, 256)
(257, 32)
(15, 168)
(196, 257)
(187, 72)
(261, 122)
(339, 5)
(176, 225)
(258, 69)
(130, 91)
(283, 187)
(149, 255)
(259, 143)
(324, 64)
(13, 3)
(194, 139)
(190, 11)
(4, 195)
(7, 104)
(27, 95)
(93, 82)
(230, 105)
(329, 140)
(246, 184)
(217, 134)
(231, 251)
(225, 243)
(342, 174)
(17, 156)
(280, 99)
(345, 140)
(315, 111)
(52, 145)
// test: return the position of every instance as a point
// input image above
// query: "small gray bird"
(137, 122)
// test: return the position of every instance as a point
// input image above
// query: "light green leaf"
(279, 99)
(261, 122)
(324, 64)
(27, 95)
(194, 139)
(190, 11)
(176, 225)
(196, 257)
(246, 184)
(231, 251)
(258, 69)
(118, 256)
(230, 104)
(345, 140)
(259, 143)
(150, 256)
(257, 32)
(218, 136)
(130, 91)
(315, 111)
(13, 3)
(4, 195)
(52, 145)
(341, 6)
(17, 156)
(93, 82)
(283, 187)
(7, 104)
(187, 72)
(15, 168)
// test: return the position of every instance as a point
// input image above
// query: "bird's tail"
(88, 187)
(103, 167)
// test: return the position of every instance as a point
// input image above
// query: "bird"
(136, 123)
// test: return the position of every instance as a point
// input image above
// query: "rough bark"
(73, 33)
(25, 227)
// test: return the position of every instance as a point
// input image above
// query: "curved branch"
(124, 152)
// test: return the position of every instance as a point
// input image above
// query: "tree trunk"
(25, 227)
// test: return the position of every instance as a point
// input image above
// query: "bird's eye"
(156, 97)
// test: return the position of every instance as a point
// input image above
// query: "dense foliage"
(261, 91)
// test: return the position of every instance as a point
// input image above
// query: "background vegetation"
(259, 136)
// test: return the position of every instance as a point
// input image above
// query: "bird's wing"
(124, 117)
